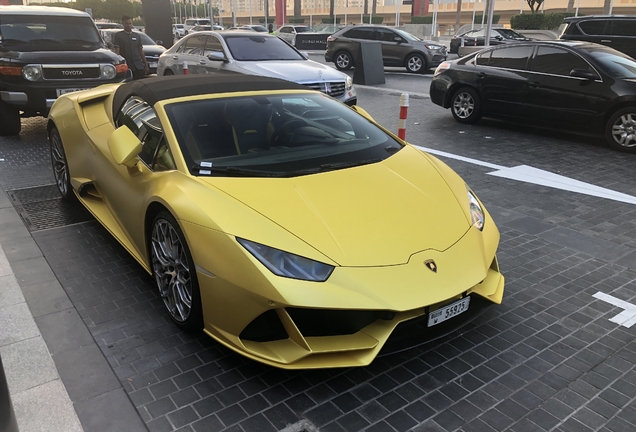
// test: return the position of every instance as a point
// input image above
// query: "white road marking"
(541, 177)
(627, 318)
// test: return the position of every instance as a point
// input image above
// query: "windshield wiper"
(335, 166)
(45, 40)
(236, 171)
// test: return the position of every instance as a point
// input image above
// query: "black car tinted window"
(385, 35)
(624, 28)
(596, 27)
(510, 58)
(483, 59)
(557, 61)
(360, 33)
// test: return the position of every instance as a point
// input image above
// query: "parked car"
(259, 205)
(108, 25)
(251, 53)
(152, 49)
(255, 27)
(191, 22)
(616, 31)
(178, 31)
(498, 36)
(288, 32)
(46, 52)
(198, 28)
(399, 48)
(580, 86)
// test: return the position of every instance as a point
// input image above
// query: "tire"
(620, 131)
(466, 105)
(343, 60)
(60, 166)
(175, 273)
(9, 120)
(416, 63)
(168, 72)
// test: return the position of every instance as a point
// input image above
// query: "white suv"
(178, 31)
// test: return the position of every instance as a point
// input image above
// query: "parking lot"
(558, 354)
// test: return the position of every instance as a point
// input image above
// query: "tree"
(606, 7)
(332, 4)
(366, 7)
(297, 5)
(458, 17)
(570, 6)
(536, 4)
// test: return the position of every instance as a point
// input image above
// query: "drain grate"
(42, 207)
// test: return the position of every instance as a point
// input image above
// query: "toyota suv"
(46, 52)
(615, 31)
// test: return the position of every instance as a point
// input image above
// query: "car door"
(623, 36)
(393, 45)
(501, 77)
(557, 99)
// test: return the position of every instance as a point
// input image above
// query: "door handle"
(606, 40)
(533, 84)
(481, 75)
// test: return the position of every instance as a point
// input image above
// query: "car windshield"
(258, 28)
(247, 47)
(179, 26)
(275, 136)
(406, 35)
(614, 63)
(303, 29)
(48, 32)
(509, 34)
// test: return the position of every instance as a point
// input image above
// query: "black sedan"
(579, 86)
(498, 36)
(152, 49)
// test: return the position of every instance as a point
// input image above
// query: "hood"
(153, 50)
(45, 57)
(299, 71)
(371, 215)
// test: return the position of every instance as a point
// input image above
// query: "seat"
(249, 120)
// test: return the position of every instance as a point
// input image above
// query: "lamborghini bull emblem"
(431, 265)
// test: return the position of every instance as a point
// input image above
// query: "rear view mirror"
(217, 56)
(584, 73)
(124, 146)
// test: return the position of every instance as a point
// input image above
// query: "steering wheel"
(283, 134)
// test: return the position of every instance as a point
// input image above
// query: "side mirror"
(499, 38)
(159, 42)
(305, 54)
(217, 56)
(124, 146)
(397, 39)
(584, 73)
(362, 112)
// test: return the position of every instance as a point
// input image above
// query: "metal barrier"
(8, 422)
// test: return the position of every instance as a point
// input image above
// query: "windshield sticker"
(206, 164)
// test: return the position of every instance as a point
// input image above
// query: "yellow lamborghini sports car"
(289, 227)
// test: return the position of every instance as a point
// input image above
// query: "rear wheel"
(175, 273)
(60, 165)
(416, 63)
(9, 120)
(344, 60)
(620, 130)
(466, 105)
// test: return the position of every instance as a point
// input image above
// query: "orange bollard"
(404, 107)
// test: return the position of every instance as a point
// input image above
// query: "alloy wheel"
(171, 269)
(60, 166)
(415, 64)
(343, 61)
(624, 130)
(464, 105)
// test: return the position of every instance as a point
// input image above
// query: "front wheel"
(343, 61)
(466, 105)
(175, 273)
(168, 72)
(620, 131)
(60, 165)
(9, 120)
(416, 63)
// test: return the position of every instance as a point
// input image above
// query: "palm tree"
(458, 17)
(570, 6)
(606, 7)
(297, 8)
(332, 6)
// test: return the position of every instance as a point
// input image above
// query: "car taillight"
(332, 39)
(121, 68)
(11, 70)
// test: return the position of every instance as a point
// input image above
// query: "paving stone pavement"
(547, 359)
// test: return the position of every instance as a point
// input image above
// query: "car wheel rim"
(415, 64)
(624, 130)
(172, 273)
(60, 168)
(343, 60)
(464, 105)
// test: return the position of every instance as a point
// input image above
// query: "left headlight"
(349, 82)
(434, 47)
(286, 264)
(477, 214)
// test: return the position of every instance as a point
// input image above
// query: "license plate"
(447, 312)
(61, 92)
(152, 64)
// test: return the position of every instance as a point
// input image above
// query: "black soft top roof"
(153, 90)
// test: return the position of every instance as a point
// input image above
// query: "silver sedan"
(212, 52)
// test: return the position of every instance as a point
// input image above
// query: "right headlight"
(108, 71)
(286, 264)
(477, 215)
(32, 72)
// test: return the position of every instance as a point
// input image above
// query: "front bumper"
(346, 320)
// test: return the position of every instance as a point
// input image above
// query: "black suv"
(616, 31)
(46, 52)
